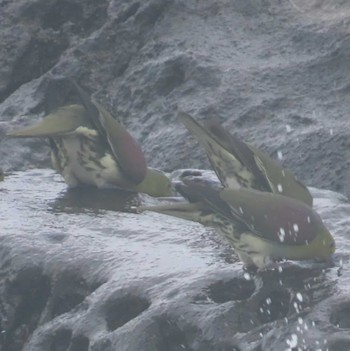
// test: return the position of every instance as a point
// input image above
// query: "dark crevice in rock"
(274, 306)
(172, 76)
(61, 340)
(42, 53)
(341, 316)
(172, 338)
(28, 295)
(123, 310)
(58, 21)
(298, 120)
(65, 303)
(79, 343)
(68, 293)
(118, 71)
(232, 290)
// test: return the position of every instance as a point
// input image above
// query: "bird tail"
(226, 153)
(59, 122)
(190, 211)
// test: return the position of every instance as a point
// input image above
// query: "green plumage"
(238, 164)
(262, 227)
(90, 147)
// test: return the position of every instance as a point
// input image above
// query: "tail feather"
(60, 122)
(189, 211)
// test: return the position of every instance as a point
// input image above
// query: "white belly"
(86, 167)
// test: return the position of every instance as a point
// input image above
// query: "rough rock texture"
(275, 72)
(78, 276)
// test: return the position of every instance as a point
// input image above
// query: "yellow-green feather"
(59, 122)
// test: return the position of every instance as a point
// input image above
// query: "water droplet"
(281, 235)
(279, 155)
(293, 341)
(296, 307)
(247, 276)
(299, 296)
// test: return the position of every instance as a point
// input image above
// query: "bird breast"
(87, 162)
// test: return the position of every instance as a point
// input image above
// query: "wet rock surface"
(79, 274)
(82, 275)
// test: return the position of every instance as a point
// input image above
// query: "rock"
(79, 274)
(272, 72)
(78, 278)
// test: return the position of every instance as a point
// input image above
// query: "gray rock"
(78, 276)
(273, 72)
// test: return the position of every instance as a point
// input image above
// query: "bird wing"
(125, 149)
(274, 217)
(197, 190)
(247, 165)
(91, 108)
(230, 157)
(241, 151)
(281, 180)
